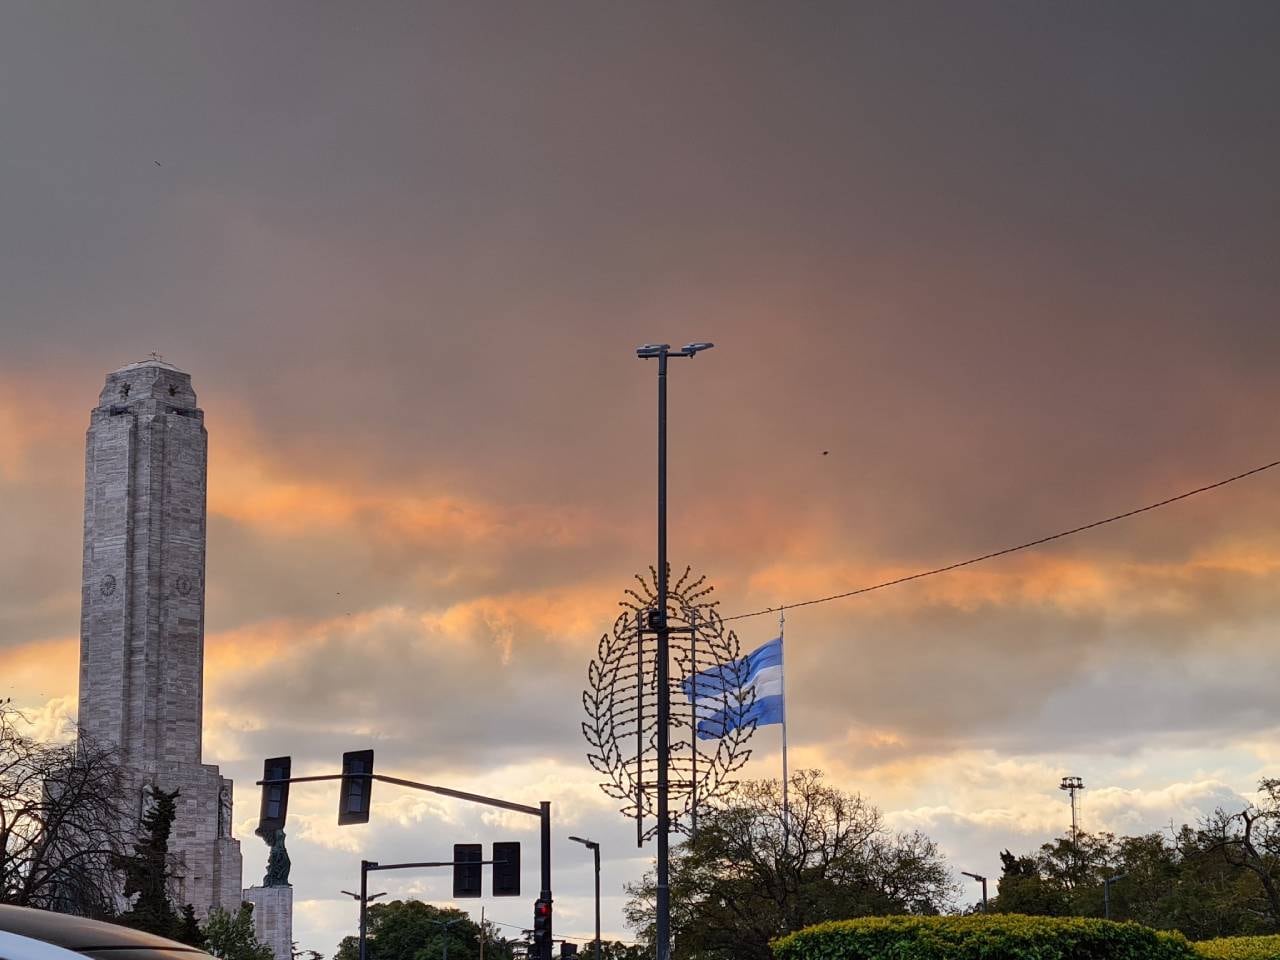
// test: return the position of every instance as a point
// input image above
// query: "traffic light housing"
(357, 791)
(542, 928)
(467, 869)
(275, 796)
(506, 869)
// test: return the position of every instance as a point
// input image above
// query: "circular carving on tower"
(183, 583)
(108, 585)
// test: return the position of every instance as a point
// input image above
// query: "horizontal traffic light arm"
(374, 865)
(414, 785)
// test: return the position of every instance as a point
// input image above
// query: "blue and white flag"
(717, 694)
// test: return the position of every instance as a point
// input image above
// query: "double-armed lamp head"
(660, 349)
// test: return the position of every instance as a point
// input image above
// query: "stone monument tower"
(142, 614)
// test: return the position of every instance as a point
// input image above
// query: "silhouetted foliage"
(230, 936)
(188, 930)
(413, 930)
(147, 870)
(751, 875)
(62, 822)
(1218, 878)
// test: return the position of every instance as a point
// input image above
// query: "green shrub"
(1240, 948)
(979, 937)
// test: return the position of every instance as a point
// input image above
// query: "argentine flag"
(715, 694)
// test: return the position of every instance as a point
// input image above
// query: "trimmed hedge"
(1240, 948)
(982, 937)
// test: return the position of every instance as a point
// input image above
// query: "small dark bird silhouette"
(825, 452)
(156, 162)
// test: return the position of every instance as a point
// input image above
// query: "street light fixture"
(446, 924)
(369, 899)
(594, 847)
(982, 880)
(658, 620)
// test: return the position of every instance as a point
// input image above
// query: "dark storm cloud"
(912, 224)
(1012, 267)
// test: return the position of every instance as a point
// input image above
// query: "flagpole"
(786, 806)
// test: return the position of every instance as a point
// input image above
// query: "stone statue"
(224, 812)
(148, 800)
(277, 860)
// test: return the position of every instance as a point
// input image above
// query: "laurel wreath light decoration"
(621, 705)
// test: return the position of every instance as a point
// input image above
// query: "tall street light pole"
(365, 899)
(982, 880)
(446, 924)
(594, 847)
(658, 623)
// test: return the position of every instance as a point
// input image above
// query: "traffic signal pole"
(369, 866)
(542, 811)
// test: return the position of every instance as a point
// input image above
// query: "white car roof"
(14, 946)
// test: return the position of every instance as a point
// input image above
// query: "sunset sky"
(1015, 267)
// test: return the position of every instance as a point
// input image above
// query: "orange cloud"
(35, 673)
(28, 428)
(252, 490)
(1069, 583)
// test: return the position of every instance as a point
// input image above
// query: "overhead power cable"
(1007, 550)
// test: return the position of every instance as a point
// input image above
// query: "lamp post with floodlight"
(594, 847)
(658, 624)
(982, 880)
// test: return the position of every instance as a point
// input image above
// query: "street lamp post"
(365, 899)
(446, 924)
(594, 847)
(658, 623)
(1106, 893)
(982, 880)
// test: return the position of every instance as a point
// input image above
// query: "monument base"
(273, 918)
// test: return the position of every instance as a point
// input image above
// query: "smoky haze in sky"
(975, 272)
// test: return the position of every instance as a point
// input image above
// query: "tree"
(413, 930)
(147, 870)
(751, 874)
(616, 950)
(1023, 889)
(188, 930)
(62, 822)
(1208, 880)
(230, 936)
(1249, 841)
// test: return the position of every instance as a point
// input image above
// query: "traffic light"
(353, 800)
(275, 796)
(568, 949)
(466, 869)
(506, 875)
(542, 928)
